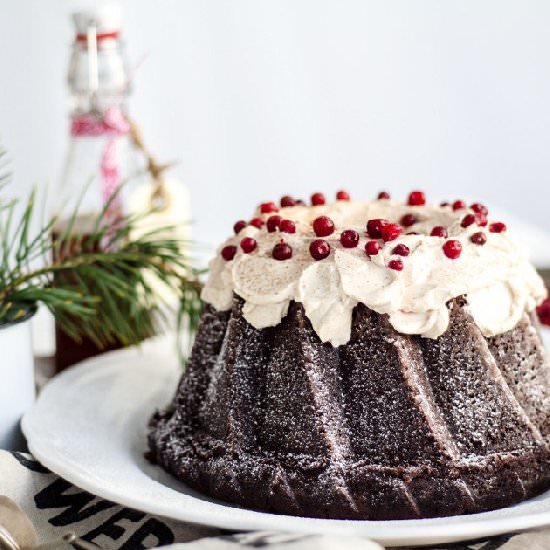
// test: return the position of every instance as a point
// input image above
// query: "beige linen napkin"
(56, 507)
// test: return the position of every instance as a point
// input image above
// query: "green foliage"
(101, 283)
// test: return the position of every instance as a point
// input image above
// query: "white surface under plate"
(89, 426)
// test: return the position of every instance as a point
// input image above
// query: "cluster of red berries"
(276, 222)
(273, 223)
(379, 231)
(387, 231)
(281, 251)
(317, 199)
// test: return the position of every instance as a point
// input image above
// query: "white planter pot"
(17, 389)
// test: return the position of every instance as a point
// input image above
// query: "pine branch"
(93, 283)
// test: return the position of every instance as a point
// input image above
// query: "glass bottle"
(99, 156)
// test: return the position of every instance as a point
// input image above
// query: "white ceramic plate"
(89, 426)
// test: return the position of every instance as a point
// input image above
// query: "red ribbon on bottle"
(99, 36)
(112, 124)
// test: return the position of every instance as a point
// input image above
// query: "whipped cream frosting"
(497, 280)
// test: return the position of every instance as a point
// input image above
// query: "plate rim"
(439, 530)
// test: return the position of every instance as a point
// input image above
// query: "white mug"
(17, 386)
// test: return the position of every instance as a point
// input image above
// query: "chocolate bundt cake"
(364, 360)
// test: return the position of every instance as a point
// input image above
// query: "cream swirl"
(497, 279)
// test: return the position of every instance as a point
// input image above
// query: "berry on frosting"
(372, 248)
(282, 251)
(374, 228)
(239, 225)
(342, 196)
(479, 208)
(452, 249)
(479, 238)
(497, 227)
(349, 238)
(318, 199)
(273, 223)
(481, 219)
(228, 252)
(391, 231)
(439, 231)
(468, 220)
(323, 226)
(383, 195)
(287, 226)
(268, 207)
(543, 311)
(248, 245)
(416, 198)
(459, 205)
(287, 200)
(319, 249)
(396, 265)
(407, 220)
(256, 222)
(401, 250)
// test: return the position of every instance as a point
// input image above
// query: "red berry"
(374, 228)
(407, 220)
(459, 205)
(372, 248)
(323, 226)
(543, 311)
(391, 232)
(452, 249)
(481, 219)
(396, 264)
(282, 251)
(468, 220)
(318, 199)
(342, 196)
(287, 200)
(349, 238)
(383, 195)
(439, 231)
(319, 249)
(268, 207)
(401, 250)
(228, 252)
(256, 222)
(416, 198)
(248, 244)
(497, 227)
(241, 224)
(287, 226)
(479, 208)
(273, 223)
(479, 238)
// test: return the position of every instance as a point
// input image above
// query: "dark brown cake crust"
(387, 426)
